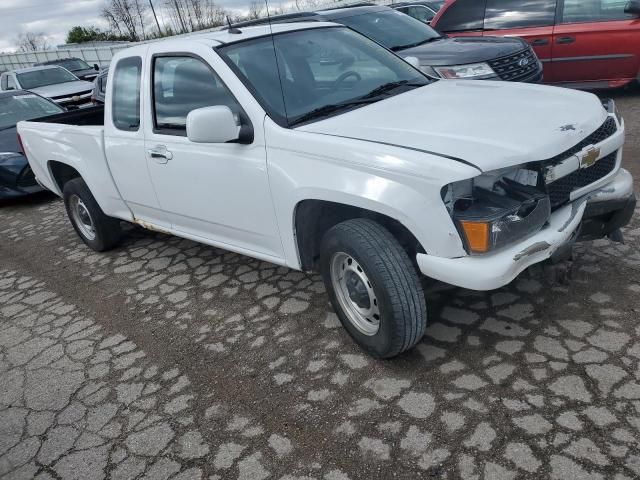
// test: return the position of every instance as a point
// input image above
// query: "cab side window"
(506, 14)
(581, 11)
(126, 94)
(182, 84)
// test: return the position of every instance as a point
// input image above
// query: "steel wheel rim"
(355, 294)
(82, 217)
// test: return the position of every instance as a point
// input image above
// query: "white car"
(50, 81)
(339, 158)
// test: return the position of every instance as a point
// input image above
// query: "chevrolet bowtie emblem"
(589, 158)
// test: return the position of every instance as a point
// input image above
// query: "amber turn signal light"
(477, 234)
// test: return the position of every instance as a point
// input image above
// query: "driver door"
(217, 193)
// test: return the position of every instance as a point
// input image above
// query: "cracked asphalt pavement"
(169, 359)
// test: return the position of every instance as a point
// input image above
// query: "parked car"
(423, 11)
(490, 58)
(16, 177)
(56, 83)
(100, 87)
(77, 66)
(582, 44)
(340, 158)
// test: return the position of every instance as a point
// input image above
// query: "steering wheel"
(338, 81)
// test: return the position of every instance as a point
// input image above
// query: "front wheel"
(374, 287)
(96, 229)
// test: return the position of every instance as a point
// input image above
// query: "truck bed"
(82, 116)
(72, 140)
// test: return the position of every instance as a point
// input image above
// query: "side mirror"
(413, 61)
(212, 125)
(96, 67)
(632, 7)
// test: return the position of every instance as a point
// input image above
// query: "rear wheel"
(373, 287)
(96, 229)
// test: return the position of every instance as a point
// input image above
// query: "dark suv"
(77, 66)
(484, 58)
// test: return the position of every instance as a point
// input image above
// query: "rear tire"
(374, 287)
(96, 229)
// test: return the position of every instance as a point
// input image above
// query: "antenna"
(232, 29)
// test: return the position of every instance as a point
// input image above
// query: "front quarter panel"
(400, 183)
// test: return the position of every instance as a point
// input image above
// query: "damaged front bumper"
(592, 216)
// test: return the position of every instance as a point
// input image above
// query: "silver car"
(52, 81)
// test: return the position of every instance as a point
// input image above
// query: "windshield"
(24, 107)
(318, 68)
(74, 64)
(391, 28)
(44, 77)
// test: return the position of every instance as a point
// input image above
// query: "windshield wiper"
(328, 109)
(387, 87)
(417, 44)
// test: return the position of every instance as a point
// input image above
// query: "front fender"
(402, 184)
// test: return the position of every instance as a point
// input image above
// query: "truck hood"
(490, 125)
(462, 50)
(62, 89)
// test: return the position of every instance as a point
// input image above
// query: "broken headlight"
(611, 108)
(494, 210)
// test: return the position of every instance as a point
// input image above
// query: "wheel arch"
(61, 173)
(312, 218)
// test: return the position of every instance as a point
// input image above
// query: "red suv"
(582, 43)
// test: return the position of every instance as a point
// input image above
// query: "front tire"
(96, 229)
(374, 287)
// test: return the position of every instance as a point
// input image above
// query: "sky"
(56, 17)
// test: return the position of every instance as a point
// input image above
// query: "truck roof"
(223, 36)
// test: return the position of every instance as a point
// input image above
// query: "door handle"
(539, 42)
(565, 40)
(160, 154)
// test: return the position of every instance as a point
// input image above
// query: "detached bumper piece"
(490, 221)
(607, 218)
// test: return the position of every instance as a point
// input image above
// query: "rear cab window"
(126, 94)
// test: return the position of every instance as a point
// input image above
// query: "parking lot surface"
(169, 359)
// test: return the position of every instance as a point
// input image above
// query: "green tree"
(79, 34)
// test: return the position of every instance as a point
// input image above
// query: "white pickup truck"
(339, 157)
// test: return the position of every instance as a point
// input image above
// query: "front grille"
(79, 94)
(509, 68)
(607, 129)
(560, 190)
(27, 178)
